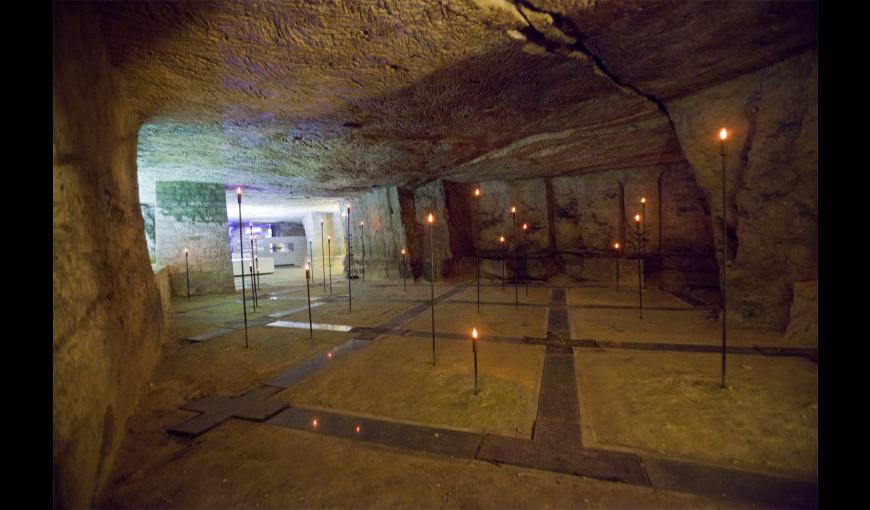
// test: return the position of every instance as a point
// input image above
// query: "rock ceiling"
(331, 98)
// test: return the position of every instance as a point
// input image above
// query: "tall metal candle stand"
(639, 267)
(349, 263)
(432, 279)
(329, 256)
(525, 259)
(362, 239)
(253, 285)
(311, 258)
(253, 279)
(503, 258)
(242, 264)
(643, 231)
(404, 283)
(187, 272)
(477, 241)
(322, 260)
(474, 350)
(308, 292)
(723, 135)
(616, 247)
(516, 282)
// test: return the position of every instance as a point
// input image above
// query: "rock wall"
(572, 225)
(771, 167)
(108, 321)
(327, 240)
(164, 286)
(383, 233)
(193, 215)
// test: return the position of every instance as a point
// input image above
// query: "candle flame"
(357, 428)
(477, 192)
(525, 226)
(723, 134)
(360, 223)
(314, 422)
(513, 210)
(616, 245)
(321, 222)
(637, 217)
(306, 267)
(642, 200)
(185, 250)
(403, 251)
(239, 190)
(431, 218)
(329, 238)
(501, 239)
(474, 333)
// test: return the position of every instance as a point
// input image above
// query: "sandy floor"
(407, 386)
(537, 295)
(630, 399)
(498, 320)
(671, 404)
(627, 296)
(665, 326)
(188, 371)
(247, 465)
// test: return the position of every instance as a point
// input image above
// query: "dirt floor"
(671, 404)
(629, 399)
(663, 326)
(407, 386)
(497, 320)
(249, 465)
(493, 293)
(188, 371)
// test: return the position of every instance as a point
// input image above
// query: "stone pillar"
(193, 215)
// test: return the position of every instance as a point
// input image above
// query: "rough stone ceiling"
(331, 98)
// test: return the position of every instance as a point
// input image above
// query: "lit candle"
(477, 192)
(185, 251)
(431, 218)
(513, 210)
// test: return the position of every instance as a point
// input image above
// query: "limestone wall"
(164, 286)
(572, 225)
(107, 314)
(382, 235)
(771, 168)
(193, 215)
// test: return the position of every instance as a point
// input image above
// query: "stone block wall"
(193, 215)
